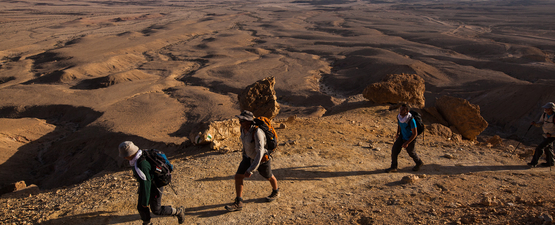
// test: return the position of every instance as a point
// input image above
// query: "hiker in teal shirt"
(405, 138)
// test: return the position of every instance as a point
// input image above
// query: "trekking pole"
(171, 186)
(524, 136)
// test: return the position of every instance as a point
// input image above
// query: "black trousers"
(545, 146)
(155, 205)
(396, 150)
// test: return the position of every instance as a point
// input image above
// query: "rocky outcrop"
(219, 131)
(463, 115)
(397, 88)
(260, 98)
(19, 190)
(13, 187)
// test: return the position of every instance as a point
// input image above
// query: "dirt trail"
(330, 171)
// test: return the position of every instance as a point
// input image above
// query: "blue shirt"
(406, 133)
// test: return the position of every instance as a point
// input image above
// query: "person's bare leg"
(239, 184)
(273, 182)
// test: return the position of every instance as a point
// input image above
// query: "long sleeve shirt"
(145, 186)
(547, 124)
(254, 141)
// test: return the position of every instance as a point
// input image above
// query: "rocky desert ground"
(79, 77)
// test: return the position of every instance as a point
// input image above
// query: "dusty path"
(325, 177)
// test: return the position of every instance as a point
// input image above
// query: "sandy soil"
(331, 173)
(79, 77)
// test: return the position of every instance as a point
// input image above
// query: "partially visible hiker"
(149, 194)
(254, 152)
(548, 127)
(405, 138)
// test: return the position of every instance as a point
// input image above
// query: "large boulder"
(260, 98)
(219, 131)
(463, 115)
(397, 88)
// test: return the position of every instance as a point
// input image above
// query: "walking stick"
(524, 136)
(171, 186)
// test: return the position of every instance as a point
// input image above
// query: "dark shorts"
(265, 168)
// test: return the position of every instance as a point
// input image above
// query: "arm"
(398, 131)
(145, 185)
(540, 122)
(414, 133)
(260, 141)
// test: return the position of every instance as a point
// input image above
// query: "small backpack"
(418, 119)
(271, 136)
(161, 167)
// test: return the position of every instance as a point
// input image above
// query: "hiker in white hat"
(548, 127)
(149, 194)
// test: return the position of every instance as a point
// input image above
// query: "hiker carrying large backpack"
(254, 140)
(407, 131)
(546, 121)
(150, 193)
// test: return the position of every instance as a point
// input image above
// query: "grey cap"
(549, 105)
(127, 148)
(246, 115)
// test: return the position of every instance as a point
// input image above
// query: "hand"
(144, 206)
(533, 123)
(406, 144)
(247, 174)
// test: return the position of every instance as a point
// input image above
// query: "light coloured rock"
(206, 133)
(397, 88)
(463, 115)
(410, 179)
(260, 98)
(489, 201)
(24, 192)
(13, 187)
(495, 141)
(439, 130)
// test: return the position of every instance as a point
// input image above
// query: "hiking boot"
(545, 165)
(272, 197)
(180, 215)
(531, 165)
(236, 206)
(391, 170)
(418, 166)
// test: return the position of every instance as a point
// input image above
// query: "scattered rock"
(463, 115)
(495, 141)
(489, 201)
(397, 88)
(410, 179)
(207, 132)
(439, 130)
(260, 98)
(449, 156)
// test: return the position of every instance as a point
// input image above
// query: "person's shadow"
(316, 172)
(101, 217)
